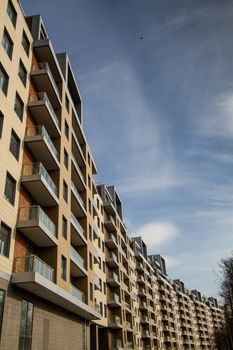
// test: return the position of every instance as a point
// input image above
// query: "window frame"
(22, 69)
(10, 200)
(10, 42)
(11, 10)
(5, 84)
(7, 249)
(15, 154)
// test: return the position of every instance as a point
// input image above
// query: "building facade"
(71, 277)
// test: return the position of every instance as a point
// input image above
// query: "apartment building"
(71, 277)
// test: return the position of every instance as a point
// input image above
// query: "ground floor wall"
(52, 328)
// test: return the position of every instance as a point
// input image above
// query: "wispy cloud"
(157, 234)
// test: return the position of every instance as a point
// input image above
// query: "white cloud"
(157, 234)
(171, 262)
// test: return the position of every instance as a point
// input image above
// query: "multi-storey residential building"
(71, 277)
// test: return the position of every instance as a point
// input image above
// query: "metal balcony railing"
(31, 263)
(39, 169)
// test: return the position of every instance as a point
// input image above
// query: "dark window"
(2, 299)
(91, 291)
(12, 13)
(101, 309)
(10, 187)
(22, 73)
(63, 267)
(26, 322)
(66, 159)
(66, 130)
(5, 238)
(14, 144)
(25, 43)
(90, 260)
(67, 104)
(89, 205)
(103, 266)
(89, 182)
(104, 288)
(19, 106)
(105, 310)
(1, 123)
(4, 79)
(90, 233)
(7, 43)
(64, 227)
(89, 159)
(65, 191)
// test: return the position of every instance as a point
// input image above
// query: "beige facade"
(71, 277)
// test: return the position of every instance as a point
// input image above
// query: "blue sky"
(156, 77)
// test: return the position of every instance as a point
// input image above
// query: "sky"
(156, 79)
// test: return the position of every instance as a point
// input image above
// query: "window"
(65, 191)
(22, 73)
(63, 267)
(1, 123)
(64, 227)
(12, 13)
(101, 309)
(10, 187)
(2, 299)
(105, 311)
(90, 233)
(104, 288)
(26, 322)
(67, 104)
(100, 263)
(25, 43)
(90, 261)
(14, 145)
(89, 159)
(66, 159)
(91, 291)
(66, 130)
(5, 238)
(98, 222)
(103, 266)
(100, 284)
(7, 43)
(89, 182)
(89, 206)
(19, 106)
(4, 79)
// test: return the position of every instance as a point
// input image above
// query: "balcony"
(116, 345)
(144, 319)
(142, 292)
(77, 203)
(125, 272)
(37, 226)
(109, 207)
(145, 334)
(35, 276)
(126, 289)
(77, 293)
(77, 264)
(39, 184)
(129, 327)
(139, 267)
(115, 322)
(42, 147)
(128, 308)
(95, 208)
(123, 241)
(110, 224)
(143, 306)
(43, 113)
(96, 255)
(43, 50)
(78, 234)
(113, 279)
(114, 300)
(96, 281)
(141, 279)
(111, 241)
(112, 260)
(77, 151)
(77, 176)
(43, 80)
(124, 255)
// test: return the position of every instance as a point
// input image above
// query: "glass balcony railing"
(113, 275)
(77, 193)
(112, 256)
(36, 213)
(77, 293)
(124, 254)
(42, 96)
(32, 263)
(115, 320)
(75, 255)
(41, 131)
(77, 225)
(112, 238)
(114, 297)
(45, 65)
(78, 168)
(39, 169)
